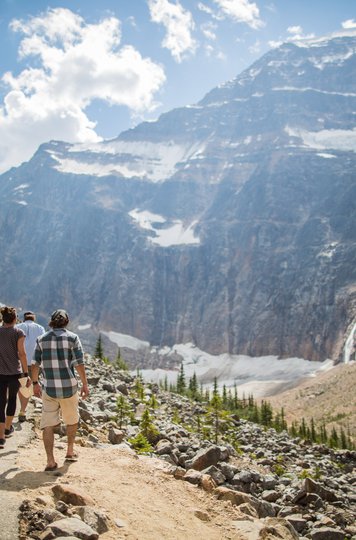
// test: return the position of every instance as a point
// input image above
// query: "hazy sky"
(82, 70)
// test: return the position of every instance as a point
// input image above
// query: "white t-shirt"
(32, 332)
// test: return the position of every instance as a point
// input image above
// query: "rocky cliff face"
(230, 223)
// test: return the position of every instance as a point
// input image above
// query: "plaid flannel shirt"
(57, 352)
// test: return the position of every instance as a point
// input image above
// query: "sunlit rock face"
(229, 223)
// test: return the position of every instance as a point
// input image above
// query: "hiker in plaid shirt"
(57, 353)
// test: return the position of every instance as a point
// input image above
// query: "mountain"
(229, 223)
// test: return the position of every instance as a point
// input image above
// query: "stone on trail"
(72, 496)
(69, 527)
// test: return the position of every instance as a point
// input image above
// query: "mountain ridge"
(229, 224)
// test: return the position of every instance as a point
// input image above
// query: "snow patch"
(311, 89)
(21, 187)
(124, 340)
(138, 159)
(174, 234)
(336, 139)
(261, 376)
(326, 156)
(84, 326)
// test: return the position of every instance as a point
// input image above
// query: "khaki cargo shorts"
(54, 408)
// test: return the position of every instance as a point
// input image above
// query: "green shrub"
(140, 444)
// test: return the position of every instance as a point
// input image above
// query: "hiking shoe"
(2, 443)
(9, 432)
(22, 417)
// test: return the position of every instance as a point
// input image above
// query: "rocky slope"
(273, 486)
(229, 224)
(329, 397)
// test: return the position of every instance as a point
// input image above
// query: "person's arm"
(35, 371)
(84, 391)
(23, 358)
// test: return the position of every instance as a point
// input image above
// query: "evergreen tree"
(323, 434)
(148, 429)
(165, 384)
(181, 384)
(224, 397)
(266, 413)
(120, 362)
(313, 434)
(139, 389)
(236, 398)
(303, 429)
(216, 405)
(343, 439)
(294, 429)
(277, 423)
(193, 386)
(123, 410)
(283, 420)
(153, 401)
(99, 352)
(254, 415)
(334, 438)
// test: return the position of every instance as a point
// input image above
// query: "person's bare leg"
(23, 404)
(2, 430)
(8, 422)
(48, 441)
(71, 431)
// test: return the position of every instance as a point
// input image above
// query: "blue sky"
(82, 70)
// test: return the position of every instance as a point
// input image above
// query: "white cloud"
(76, 63)
(296, 34)
(206, 9)
(179, 25)
(350, 23)
(255, 48)
(295, 29)
(241, 11)
(208, 30)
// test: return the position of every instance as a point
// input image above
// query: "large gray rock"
(205, 457)
(69, 527)
(327, 533)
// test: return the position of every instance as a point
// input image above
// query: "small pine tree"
(313, 434)
(140, 444)
(193, 386)
(334, 439)
(99, 352)
(139, 389)
(123, 410)
(266, 414)
(343, 439)
(153, 401)
(283, 420)
(224, 397)
(148, 429)
(120, 362)
(303, 429)
(181, 384)
(216, 405)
